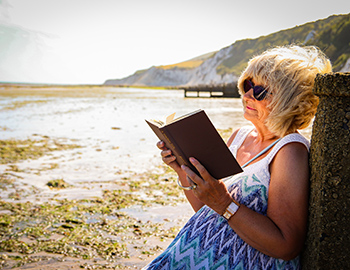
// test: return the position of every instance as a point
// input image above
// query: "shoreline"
(61, 87)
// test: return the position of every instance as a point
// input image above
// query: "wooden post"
(328, 240)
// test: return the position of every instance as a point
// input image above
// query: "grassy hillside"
(185, 65)
(332, 35)
(192, 63)
(334, 40)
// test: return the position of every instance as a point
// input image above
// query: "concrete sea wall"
(328, 241)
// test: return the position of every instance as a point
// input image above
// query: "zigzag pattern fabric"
(208, 242)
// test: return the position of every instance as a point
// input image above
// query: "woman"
(257, 219)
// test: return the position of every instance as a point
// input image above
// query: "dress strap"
(262, 152)
(293, 137)
(239, 139)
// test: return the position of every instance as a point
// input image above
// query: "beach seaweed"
(58, 183)
(88, 228)
(84, 229)
(12, 151)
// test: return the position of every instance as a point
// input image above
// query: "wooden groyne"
(328, 239)
(219, 90)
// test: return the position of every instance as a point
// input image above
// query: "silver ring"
(194, 186)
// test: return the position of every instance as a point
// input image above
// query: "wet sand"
(121, 223)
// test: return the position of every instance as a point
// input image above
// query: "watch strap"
(231, 209)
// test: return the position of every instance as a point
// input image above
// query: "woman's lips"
(250, 108)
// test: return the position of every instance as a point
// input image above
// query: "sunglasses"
(259, 92)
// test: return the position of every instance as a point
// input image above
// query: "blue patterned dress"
(208, 242)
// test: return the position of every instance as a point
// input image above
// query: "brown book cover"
(194, 135)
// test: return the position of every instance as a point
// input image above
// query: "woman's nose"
(249, 94)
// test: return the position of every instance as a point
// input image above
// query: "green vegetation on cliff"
(331, 35)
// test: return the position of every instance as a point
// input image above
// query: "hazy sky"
(89, 41)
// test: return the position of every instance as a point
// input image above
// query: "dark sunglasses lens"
(259, 93)
(247, 85)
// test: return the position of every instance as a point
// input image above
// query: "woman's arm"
(170, 160)
(281, 233)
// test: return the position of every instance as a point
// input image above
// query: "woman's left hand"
(209, 190)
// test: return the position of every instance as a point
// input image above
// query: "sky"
(90, 41)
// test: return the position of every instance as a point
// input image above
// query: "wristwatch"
(231, 209)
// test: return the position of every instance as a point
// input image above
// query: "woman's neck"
(264, 134)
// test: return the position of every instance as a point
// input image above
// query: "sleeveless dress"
(208, 242)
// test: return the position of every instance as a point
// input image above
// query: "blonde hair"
(288, 73)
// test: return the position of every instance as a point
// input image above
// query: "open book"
(194, 135)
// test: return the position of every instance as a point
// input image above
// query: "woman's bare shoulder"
(292, 150)
(291, 160)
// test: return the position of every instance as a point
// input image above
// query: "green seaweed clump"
(12, 151)
(58, 183)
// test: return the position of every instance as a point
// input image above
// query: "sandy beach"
(82, 185)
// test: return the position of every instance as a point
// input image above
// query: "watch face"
(230, 210)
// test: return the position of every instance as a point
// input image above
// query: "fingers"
(191, 175)
(168, 159)
(204, 176)
(166, 154)
(200, 168)
(161, 145)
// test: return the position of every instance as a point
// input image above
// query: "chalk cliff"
(203, 74)
(224, 66)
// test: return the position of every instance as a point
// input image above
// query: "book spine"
(180, 157)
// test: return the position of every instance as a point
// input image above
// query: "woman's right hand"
(168, 158)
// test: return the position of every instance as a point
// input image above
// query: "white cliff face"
(206, 72)
(203, 74)
(346, 67)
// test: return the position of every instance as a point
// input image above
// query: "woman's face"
(254, 110)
